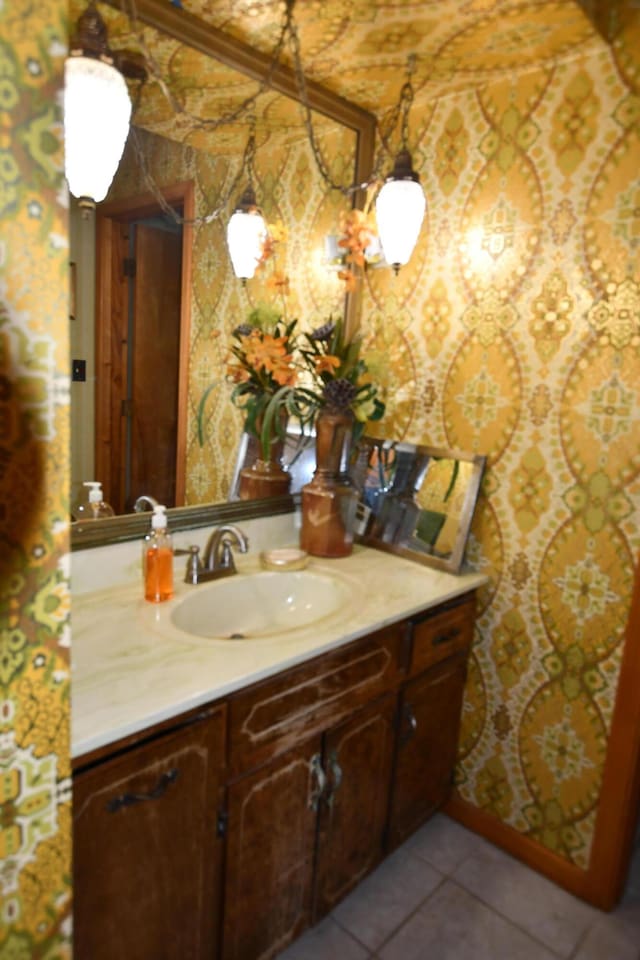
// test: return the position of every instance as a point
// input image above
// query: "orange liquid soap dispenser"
(157, 559)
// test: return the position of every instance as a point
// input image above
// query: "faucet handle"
(226, 556)
(194, 567)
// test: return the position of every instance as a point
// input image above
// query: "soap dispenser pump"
(157, 558)
(94, 508)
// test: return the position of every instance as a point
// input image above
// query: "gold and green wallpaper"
(515, 332)
(35, 779)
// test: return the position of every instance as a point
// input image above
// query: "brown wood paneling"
(438, 635)
(147, 863)
(272, 716)
(358, 756)
(428, 728)
(269, 864)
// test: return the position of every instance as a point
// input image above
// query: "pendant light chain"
(129, 8)
(288, 36)
(400, 113)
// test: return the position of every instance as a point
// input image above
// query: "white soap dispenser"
(157, 558)
(94, 508)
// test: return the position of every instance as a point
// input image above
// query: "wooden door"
(358, 757)
(270, 846)
(147, 862)
(153, 374)
(428, 729)
(154, 365)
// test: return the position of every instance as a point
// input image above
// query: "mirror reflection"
(155, 302)
(415, 500)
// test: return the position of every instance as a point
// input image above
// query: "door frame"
(109, 217)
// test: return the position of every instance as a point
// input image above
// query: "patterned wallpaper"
(515, 332)
(35, 784)
(290, 192)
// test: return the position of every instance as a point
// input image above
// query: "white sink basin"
(244, 607)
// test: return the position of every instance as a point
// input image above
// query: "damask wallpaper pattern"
(35, 781)
(515, 332)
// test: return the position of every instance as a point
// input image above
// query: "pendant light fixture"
(401, 204)
(246, 230)
(97, 110)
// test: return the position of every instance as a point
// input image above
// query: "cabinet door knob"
(320, 785)
(128, 799)
(409, 724)
(445, 637)
(335, 771)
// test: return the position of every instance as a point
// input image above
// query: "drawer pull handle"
(446, 637)
(336, 776)
(409, 724)
(320, 777)
(128, 799)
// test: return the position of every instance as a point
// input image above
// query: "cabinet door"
(146, 865)
(270, 846)
(427, 741)
(357, 760)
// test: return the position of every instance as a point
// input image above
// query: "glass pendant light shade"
(97, 110)
(400, 208)
(246, 234)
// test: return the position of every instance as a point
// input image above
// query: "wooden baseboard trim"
(567, 875)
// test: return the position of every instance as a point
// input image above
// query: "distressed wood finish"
(428, 727)
(358, 756)
(272, 716)
(324, 763)
(437, 636)
(269, 866)
(147, 873)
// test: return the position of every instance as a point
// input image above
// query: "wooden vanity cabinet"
(308, 823)
(306, 779)
(357, 758)
(147, 860)
(430, 707)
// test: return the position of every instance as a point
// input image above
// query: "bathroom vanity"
(228, 793)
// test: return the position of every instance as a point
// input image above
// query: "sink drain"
(237, 636)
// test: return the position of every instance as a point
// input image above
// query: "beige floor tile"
(444, 843)
(527, 899)
(385, 899)
(454, 925)
(608, 941)
(326, 941)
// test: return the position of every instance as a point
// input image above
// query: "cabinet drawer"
(274, 715)
(440, 635)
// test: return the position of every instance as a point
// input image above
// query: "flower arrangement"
(261, 364)
(340, 376)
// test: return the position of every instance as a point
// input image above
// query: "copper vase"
(264, 478)
(329, 501)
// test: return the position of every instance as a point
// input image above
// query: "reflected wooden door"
(143, 287)
(154, 332)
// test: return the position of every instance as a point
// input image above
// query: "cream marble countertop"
(132, 668)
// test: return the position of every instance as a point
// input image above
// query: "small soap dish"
(284, 558)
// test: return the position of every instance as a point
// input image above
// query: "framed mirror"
(417, 501)
(212, 73)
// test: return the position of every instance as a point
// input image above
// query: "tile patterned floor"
(447, 894)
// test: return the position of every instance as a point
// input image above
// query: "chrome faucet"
(218, 556)
(143, 499)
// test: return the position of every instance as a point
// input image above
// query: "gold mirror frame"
(194, 32)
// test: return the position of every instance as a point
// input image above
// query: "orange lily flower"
(327, 364)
